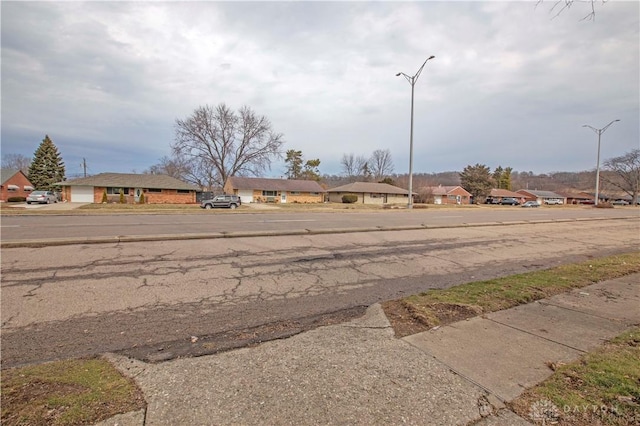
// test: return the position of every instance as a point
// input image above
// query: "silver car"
(42, 197)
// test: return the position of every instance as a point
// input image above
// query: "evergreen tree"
(505, 179)
(294, 164)
(311, 171)
(497, 177)
(47, 166)
(477, 180)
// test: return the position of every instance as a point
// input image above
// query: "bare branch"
(226, 143)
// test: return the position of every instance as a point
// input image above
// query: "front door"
(137, 193)
(283, 197)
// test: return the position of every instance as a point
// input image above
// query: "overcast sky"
(510, 84)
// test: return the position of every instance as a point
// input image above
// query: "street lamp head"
(399, 74)
(431, 57)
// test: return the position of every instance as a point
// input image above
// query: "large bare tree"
(381, 164)
(624, 173)
(353, 166)
(227, 143)
(16, 162)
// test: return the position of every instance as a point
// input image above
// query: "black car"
(509, 201)
(226, 201)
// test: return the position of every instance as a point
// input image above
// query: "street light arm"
(607, 126)
(412, 80)
(600, 131)
(420, 70)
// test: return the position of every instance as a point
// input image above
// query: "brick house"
(445, 194)
(264, 190)
(370, 193)
(14, 184)
(157, 189)
(496, 195)
(541, 196)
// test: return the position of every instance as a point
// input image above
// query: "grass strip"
(603, 387)
(69, 392)
(438, 307)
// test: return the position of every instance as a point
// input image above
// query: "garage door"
(82, 194)
(246, 196)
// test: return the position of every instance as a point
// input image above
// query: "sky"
(511, 84)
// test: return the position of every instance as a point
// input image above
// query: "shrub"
(141, 199)
(349, 198)
(121, 196)
(104, 197)
(604, 205)
(16, 199)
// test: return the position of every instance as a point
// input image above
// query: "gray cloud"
(509, 85)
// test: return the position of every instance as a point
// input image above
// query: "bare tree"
(353, 166)
(381, 164)
(560, 6)
(16, 162)
(625, 173)
(226, 142)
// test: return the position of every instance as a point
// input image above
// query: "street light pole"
(412, 81)
(599, 132)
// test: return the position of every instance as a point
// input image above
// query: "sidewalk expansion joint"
(462, 375)
(536, 335)
(545, 302)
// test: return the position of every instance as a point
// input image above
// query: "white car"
(555, 201)
(42, 197)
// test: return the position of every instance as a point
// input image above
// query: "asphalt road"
(159, 300)
(46, 227)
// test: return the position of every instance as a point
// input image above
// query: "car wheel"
(48, 200)
(232, 206)
(29, 202)
(207, 206)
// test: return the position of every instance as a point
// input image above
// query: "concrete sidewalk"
(359, 373)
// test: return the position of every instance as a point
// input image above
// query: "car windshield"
(38, 192)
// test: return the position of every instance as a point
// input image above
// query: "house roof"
(265, 184)
(369, 187)
(130, 180)
(443, 190)
(540, 194)
(6, 174)
(495, 192)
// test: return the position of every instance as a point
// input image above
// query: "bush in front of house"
(105, 199)
(141, 199)
(121, 196)
(349, 198)
(16, 199)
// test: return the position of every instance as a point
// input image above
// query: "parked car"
(620, 203)
(509, 201)
(227, 201)
(531, 204)
(42, 197)
(553, 201)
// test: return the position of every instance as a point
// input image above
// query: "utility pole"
(84, 166)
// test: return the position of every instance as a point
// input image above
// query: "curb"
(250, 234)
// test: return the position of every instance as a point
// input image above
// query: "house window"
(28, 188)
(452, 197)
(13, 187)
(269, 193)
(315, 193)
(154, 190)
(183, 191)
(294, 192)
(116, 191)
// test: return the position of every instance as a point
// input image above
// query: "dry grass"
(70, 392)
(603, 387)
(436, 307)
